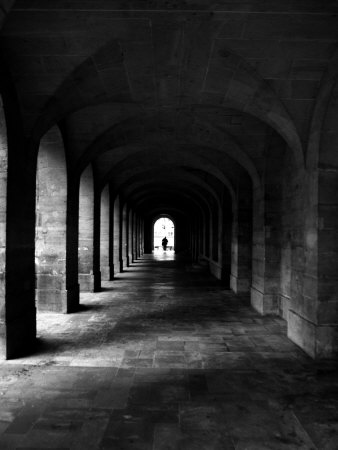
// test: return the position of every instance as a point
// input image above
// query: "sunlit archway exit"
(164, 227)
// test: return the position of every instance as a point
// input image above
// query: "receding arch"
(197, 135)
(66, 99)
(269, 108)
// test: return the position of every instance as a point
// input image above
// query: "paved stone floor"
(165, 358)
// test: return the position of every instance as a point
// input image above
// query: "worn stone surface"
(214, 113)
(165, 358)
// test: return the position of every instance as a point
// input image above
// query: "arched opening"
(50, 229)
(86, 231)
(164, 228)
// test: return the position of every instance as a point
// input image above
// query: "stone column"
(267, 233)
(226, 228)
(104, 235)
(142, 237)
(266, 257)
(97, 239)
(130, 237)
(17, 226)
(138, 243)
(86, 232)
(51, 213)
(72, 247)
(240, 278)
(123, 237)
(134, 238)
(116, 230)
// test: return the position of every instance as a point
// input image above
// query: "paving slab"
(162, 359)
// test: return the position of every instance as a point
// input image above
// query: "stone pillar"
(198, 236)
(266, 253)
(130, 238)
(240, 278)
(123, 237)
(138, 243)
(201, 236)
(116, 230)
(134, 238)
(226, 228)
(267, 221)
(3, 213)
(104, 234)
(72, 247)
(17, 227)
(215, 234)
(206, 229)
(51, 213)
(142, 236)
(313, 311)
(215, 261)
(86, 232)
(97, 239)
(327, 313)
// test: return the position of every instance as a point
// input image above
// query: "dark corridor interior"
(222, 116)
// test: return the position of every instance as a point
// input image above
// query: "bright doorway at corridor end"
(164, 228)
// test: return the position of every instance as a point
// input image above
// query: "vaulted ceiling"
(174, 98)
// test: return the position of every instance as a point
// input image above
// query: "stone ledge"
(318, 341)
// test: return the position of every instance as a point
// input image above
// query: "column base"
(318, 341)
(105, 273)
(18, 336)
(215, 269)
(284, 306)
(49, 293)
(73, 298)
(225, 276)
(264, 303)
(56, 300)
(51, 300)
(86, 282)
(97, 281)
(239, 285)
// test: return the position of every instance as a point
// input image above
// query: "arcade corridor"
(149, 364)
(221, 118)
